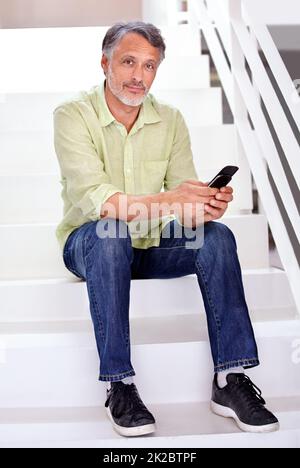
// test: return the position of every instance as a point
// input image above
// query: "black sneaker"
(127, 412)
(242, 401)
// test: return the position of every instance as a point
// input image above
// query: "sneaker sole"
(131, 431)
(226, 412)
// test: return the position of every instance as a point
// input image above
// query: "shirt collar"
(148, 114)
(105, 116)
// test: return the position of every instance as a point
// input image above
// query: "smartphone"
(224, 177)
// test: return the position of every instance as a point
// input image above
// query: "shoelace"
(128, 398)
(250, 393)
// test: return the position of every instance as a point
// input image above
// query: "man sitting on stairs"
(117, 146)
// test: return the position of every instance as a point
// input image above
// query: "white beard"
(120, 94)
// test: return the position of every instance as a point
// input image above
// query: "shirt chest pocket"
(152, 175)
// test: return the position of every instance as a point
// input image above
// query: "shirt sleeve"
(181, 165)
(87, 184)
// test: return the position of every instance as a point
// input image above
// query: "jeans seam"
(108, 376)
(95, 302)
(88, 251)
(217, 320)
(86, 243)
(240, 362)
(228, 363)
(169, 248)
(75, 273)
(69, 265)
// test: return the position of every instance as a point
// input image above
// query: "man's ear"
(104, 64)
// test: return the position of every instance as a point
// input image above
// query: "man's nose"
(138, 74)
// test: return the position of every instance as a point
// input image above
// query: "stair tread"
(91, 426)
(152, 330)
(62, 280)
(65, 300)
(75, 324)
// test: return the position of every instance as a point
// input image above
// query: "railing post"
(236, 57)
(257, 143)
(261, 209)
(237, 60)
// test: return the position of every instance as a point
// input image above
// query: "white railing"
(232, 33)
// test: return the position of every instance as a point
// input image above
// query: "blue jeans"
(108, 265)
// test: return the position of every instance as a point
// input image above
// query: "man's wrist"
(167, 197)
(156, 204)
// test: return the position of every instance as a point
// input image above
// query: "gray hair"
(150, 32)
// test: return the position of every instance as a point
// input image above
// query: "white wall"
(269, 11)
(156, 11)
(57, 13)
(47, 13)
(276, 12)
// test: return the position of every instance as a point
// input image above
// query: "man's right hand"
(192, 196)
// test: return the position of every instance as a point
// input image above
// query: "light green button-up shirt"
(98, 158)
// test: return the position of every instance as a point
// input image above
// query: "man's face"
(132, 68)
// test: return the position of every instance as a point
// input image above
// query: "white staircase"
(49, 393)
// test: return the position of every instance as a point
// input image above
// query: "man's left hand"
(218, 205)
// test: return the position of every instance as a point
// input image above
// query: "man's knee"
(220, 233)
(111, 228)
(111, 237)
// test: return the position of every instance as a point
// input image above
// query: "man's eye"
(128, 62)
(150, 66)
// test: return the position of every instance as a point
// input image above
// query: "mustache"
(135, 84)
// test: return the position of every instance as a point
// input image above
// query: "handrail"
(280, 122)
(275, 62)
(263, 83)
(227, 35)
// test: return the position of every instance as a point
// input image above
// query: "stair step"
(85, 325)
(27, 153)
(42, 203)
(30, 112)
(32, 153)
(181, 38)
(30, 199)
(34, 111)
(41, 192)
(38, 173)
(82, 46)
(37, 253)
(178, 425)
(60, 368)
(198, 106)
(172, 76)
(215, 147)
(267, 292)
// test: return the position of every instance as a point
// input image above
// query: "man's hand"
(191, 197)
(208, 204)
(217, 207)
